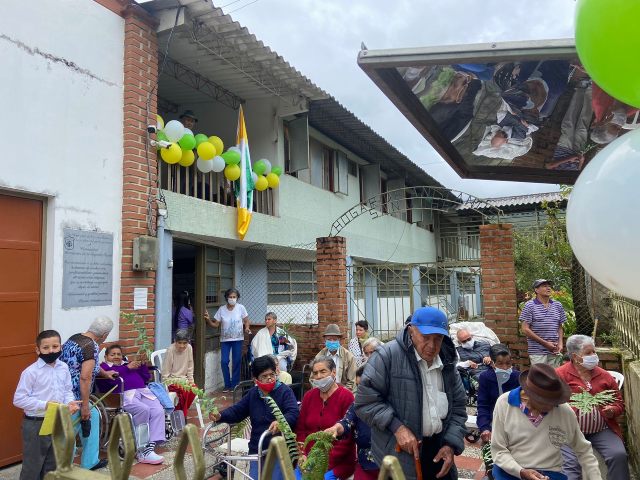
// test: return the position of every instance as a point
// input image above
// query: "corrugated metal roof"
(520, 200)
(226, 53)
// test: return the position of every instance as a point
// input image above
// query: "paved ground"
(470, 466)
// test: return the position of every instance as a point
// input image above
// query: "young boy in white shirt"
(45, 381)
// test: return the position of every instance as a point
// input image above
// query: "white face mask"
(323, 384)
(590, 361)
(232, 301)
(468, 345)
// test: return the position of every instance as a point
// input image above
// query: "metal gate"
(386, 294)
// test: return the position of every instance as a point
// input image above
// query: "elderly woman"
(80, 353)
(322, 407)
(530, 425)
(599, 426)
(369, 346)
(356, 344)
(254, 406)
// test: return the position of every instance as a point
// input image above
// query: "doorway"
(20, 285)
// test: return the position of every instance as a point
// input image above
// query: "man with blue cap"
(412, 396)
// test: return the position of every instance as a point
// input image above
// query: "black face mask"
(50, 357)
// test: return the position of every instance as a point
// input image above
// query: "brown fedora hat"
(542, 384)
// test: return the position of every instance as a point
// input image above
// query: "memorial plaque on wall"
(87, 279)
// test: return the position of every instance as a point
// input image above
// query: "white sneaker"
(152, 458)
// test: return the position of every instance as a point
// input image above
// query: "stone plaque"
(87, 279)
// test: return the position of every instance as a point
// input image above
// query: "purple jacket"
(133, 378)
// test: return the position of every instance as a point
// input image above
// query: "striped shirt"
(544, 322)
(592, 422)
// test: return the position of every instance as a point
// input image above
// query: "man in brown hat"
(530, 425)
(344, 359)
(188, 119)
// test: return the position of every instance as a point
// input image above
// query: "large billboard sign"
(523, 111)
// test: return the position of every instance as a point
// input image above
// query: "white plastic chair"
(633, 124)
(618, 377)
(156, 359)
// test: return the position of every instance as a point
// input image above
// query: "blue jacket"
(362, 434)
(252, 405)
(488, 395)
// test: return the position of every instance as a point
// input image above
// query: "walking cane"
(417, 463)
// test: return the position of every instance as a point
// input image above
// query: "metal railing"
(211, 187)
(460, 248)
(626, 322)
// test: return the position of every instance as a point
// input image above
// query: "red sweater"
(316, 415)
(600, 380)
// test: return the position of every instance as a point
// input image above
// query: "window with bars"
(219, 274)
(291, 282)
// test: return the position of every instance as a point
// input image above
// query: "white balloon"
(235, 148)
(267, 170)
(602, 216)
(174, 130)
(187, 131)
(205, 166)
(254, 177)
(218, 164)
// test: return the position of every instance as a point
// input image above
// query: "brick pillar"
(139, 173)
(331, 281)
(499, 288)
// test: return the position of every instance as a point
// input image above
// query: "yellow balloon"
(232, 172)
(273, 180)
(217, 143)
(172, 154)
(187, 159)
(206, 151)
(159, 122)
(261, 183)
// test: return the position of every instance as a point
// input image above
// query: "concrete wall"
(62, 117)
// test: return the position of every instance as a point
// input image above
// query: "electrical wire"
(243, 6)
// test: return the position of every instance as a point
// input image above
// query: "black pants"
(430, 448)
(37, 451)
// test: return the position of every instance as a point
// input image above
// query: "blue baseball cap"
(429, 320)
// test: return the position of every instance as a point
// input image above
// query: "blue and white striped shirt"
(544, 322)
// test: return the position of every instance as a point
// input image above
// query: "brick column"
(139, 172)
(499, 288)
(331, 281)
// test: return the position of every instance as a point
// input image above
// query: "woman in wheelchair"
(138, 400)
(254, 406)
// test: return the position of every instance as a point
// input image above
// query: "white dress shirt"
(434, 399)
(40, 383)
(336, 358)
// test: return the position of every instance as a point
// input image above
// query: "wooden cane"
(417, 463)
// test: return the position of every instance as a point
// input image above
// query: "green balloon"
(161, 137)
(276, 170)
(201, 137)
(231, 157)
(259, 167)
(608, 43)
(187, 142)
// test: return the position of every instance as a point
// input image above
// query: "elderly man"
(474, 354)
(412, 397)
(542, 320)
(80, 353)
(273, 341)
(188, 119)
(369, 346)
(345, 361)
(531, 424)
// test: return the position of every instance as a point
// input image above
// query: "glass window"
(291, 282)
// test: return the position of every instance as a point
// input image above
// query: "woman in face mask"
(254, 406)
(322, 407)
(500, 378)
(598, 426)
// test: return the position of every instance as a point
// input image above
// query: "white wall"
(61, 124)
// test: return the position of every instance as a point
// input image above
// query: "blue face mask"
(332, 345)
(503, 376)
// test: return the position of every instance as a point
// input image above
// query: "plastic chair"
(633, 124)
(618, 377)
(157, 358)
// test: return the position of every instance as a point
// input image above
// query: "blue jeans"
(91, 444)
(276, 475)
(499, 474)
(235, 347)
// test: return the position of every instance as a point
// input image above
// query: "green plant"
(317, 462)
(613, 338)
(237, 431)
(207, 404)
(145, 347)
(286, 328)
(284, 427)
(585, 402)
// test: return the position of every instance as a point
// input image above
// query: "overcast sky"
(321, 38)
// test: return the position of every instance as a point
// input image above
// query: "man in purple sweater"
(137, 400)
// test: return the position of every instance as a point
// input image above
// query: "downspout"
(163, 292)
